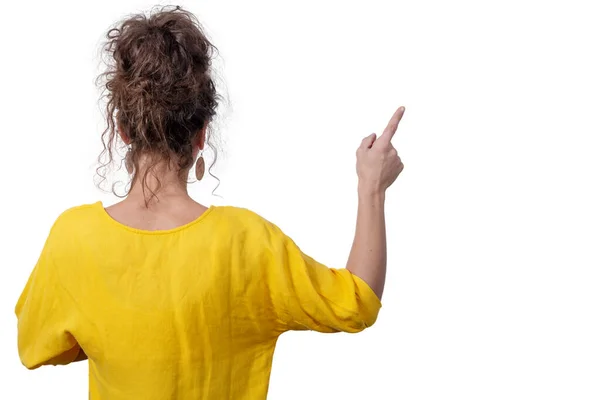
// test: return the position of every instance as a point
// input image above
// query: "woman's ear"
(202, 137)
(122, 135)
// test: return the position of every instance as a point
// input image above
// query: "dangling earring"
(200, 167)
(129, 161)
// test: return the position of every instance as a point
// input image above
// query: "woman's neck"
(159, 185)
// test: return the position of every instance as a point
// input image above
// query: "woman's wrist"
(370, 194)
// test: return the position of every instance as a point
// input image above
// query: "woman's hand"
(377, 161)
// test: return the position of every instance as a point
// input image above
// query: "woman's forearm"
(368, 256)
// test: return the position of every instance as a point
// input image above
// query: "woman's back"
(190, 312)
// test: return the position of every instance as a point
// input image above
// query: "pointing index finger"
(392, 126)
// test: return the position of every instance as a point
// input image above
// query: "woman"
(169, 299)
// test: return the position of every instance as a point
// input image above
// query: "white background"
(494, 225)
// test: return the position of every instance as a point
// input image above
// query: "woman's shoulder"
(250, 221)
(80, 214)
(242, 216)
(246, 225)
(69, 225)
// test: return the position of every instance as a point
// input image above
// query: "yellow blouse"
(187, 313)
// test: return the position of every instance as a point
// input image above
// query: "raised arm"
(378, 166)
(305, 294)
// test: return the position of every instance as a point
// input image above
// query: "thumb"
(368, 141)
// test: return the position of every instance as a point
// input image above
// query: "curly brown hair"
(159, 90)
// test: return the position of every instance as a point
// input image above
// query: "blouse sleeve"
(307, 295)
(45, 314)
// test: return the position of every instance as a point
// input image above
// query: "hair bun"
(158, 83)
